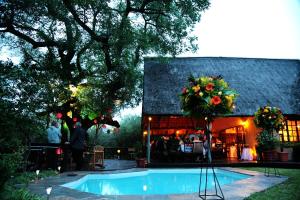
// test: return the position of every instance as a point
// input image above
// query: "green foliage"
(62, 44)
(9, 163)
(22, 179)
(11, 193)
(130, 133)
(266, 141)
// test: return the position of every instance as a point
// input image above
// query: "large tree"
(100, 43)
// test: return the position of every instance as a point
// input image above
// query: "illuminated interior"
(291, 131)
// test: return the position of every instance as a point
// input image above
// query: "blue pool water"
(163, 181)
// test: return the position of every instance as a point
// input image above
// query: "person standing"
(77, 145)
(54, 140)
(53, 132)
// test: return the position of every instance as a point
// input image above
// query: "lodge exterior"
(258, 81)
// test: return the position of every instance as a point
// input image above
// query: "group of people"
(77, 143)
(165, 146)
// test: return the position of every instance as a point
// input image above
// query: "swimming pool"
(150, 182)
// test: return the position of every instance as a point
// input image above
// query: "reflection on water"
(154, 182)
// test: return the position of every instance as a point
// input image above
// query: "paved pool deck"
(235, 191)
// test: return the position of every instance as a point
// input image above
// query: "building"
(259, 82)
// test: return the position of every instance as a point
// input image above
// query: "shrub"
(265, 141)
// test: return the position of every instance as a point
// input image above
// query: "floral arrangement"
(207, 97)
(269, 118)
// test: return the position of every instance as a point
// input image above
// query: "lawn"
(288, 190)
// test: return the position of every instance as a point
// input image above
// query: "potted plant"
(270, 119)
(140, 156)
(266, 144)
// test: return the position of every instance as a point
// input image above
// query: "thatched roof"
(258, 81)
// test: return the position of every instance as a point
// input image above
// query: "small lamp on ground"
(59, 168)
(118, 151)
(48, 191)
(37, 174)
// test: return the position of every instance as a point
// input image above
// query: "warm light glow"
(145, 132)
(69, 114)
(177, 132)
(245, 123)
(37, 172)
(119, 151)
(149, 118)
(59, 167)
(48, 190)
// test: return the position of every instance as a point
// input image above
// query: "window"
(291, 131)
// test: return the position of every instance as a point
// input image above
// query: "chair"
(98, 156)
(131, 152)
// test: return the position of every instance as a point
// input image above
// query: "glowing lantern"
(69, 114)
(95, 121)
(59, 151)
(75, 119)
(59, 115)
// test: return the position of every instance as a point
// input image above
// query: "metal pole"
(148, 141)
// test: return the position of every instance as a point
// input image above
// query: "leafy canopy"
(99, 43)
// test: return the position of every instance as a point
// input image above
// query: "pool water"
(163, 181)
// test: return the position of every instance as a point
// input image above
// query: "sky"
(246, 28)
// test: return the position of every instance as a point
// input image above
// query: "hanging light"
(95, 121)
(69, 114)
(75, 119)
(59, 115)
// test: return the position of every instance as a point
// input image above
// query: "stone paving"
(235, 191)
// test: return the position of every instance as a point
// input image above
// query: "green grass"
(288, 190)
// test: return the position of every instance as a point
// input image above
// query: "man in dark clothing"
(77, 145)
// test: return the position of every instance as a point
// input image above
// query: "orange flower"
(209, 87)
(216, 100)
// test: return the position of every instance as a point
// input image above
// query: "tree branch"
(25, 37)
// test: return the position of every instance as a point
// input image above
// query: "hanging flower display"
(207, 97)
(269, 118)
